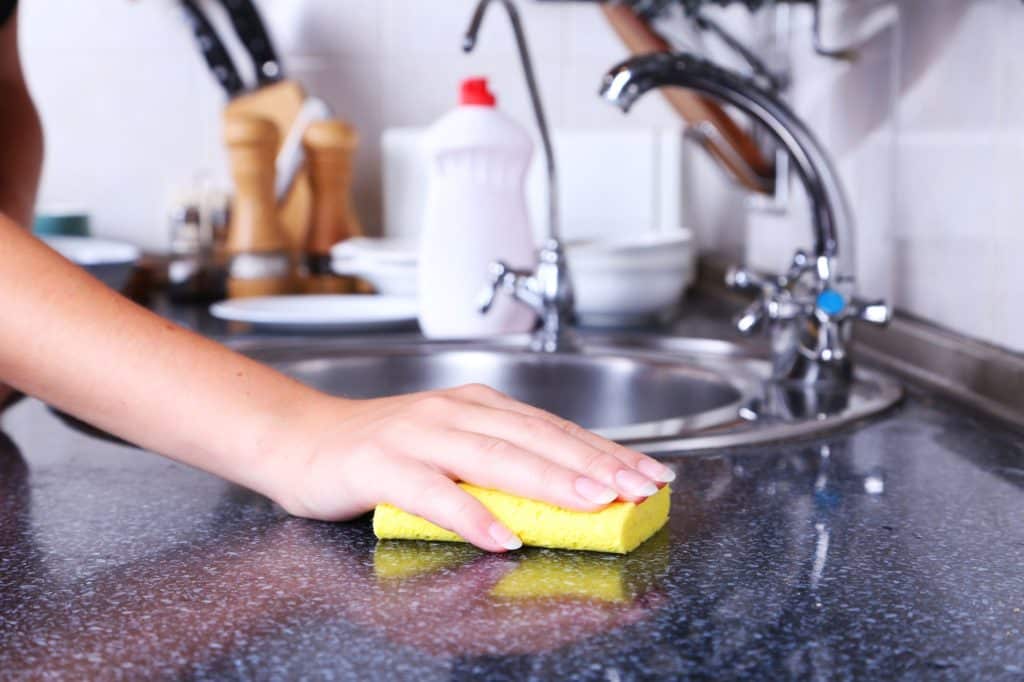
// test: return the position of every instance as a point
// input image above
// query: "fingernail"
(635, 484)
(656, 470)
(503, 536)
(592, 491)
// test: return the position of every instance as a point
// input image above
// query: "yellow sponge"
(620, 527)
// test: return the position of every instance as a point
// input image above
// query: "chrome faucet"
(809, 309)
(548, 289)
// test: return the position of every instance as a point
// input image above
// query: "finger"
(490, 462)
(556, 446)
(425, 492)
(648, 466)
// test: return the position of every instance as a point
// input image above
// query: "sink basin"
(656, 394)
(623, 395)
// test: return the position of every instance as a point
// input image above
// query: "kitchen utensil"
(109, 261)
(274, 97)
(325, 312)
(291, 156)
(256, 243)
(251, 31)
(330, 146)
(213, 50)
(730, 144)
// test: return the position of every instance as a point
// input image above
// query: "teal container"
(61, 224)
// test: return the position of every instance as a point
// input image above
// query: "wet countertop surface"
(893, 550)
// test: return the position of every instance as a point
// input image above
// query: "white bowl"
(624, 281)
(109, 261)
(659, 249)
(394, 251)
(632, 281)
(387, 279)
(390, 265)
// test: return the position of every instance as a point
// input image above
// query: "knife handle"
(213, 50)
(251, 30)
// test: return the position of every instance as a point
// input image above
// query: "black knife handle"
(214, 52)
(253, 33)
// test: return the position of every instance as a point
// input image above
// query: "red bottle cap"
(474, 92)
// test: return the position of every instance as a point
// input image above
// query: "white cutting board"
(612, 182)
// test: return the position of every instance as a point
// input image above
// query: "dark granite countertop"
(892, 551)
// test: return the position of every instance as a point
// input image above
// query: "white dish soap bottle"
(476, 213)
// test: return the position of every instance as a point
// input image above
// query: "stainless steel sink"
(657, 394)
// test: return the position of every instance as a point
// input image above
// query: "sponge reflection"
(534, 573)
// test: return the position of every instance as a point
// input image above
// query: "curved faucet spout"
(469, 43)
(833, 224)
(811, 308)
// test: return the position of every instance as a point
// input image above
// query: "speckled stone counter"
(892, 551)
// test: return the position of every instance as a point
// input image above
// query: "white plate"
(321, 312)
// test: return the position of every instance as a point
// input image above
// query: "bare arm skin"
(21, 136)
(21, 141)
(72, 342)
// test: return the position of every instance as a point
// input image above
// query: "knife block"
(330, 148)
(257, 245)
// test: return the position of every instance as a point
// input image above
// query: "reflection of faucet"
(810, 309)
(547, 290)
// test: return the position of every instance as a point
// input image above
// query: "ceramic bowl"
(390, 265)
(631, 281)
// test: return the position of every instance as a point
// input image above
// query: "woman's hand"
(409, 450)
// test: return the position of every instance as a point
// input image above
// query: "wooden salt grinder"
(330, 148)
(256, 243)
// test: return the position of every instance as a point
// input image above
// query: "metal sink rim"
(742, 366)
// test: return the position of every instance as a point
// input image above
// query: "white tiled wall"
(927, 128)
(927, 124)
(130, 110)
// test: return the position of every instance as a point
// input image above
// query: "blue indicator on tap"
(831, 302)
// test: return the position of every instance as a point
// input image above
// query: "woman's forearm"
(70, 341)
(21, 135)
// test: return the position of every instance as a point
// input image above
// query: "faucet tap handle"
(873, 312)
(741, 278)
(751, 319)
(802, 263)
(497, 271)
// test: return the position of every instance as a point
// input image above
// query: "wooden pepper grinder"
(259, 264)
(330, 147)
